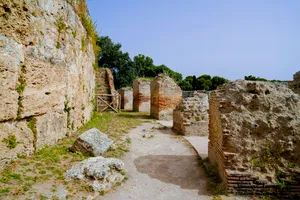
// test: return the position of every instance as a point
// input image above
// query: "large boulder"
(92, 142)
(100, 173)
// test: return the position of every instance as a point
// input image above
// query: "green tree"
(216, 81)
(204, 82)
(120, 63)
(185, 85)
(254, 78)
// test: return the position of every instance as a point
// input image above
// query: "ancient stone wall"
(141, 95)
(165, 96)
(254, 138)
(126, 98)
(47, 78)
(191, 116)
(296, 83)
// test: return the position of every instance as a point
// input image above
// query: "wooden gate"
(108, 101)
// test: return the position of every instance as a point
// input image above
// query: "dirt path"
(161, 167)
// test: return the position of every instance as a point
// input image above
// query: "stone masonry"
(141, 95)
(165, 96)
(126, 98)
(254, 138)
(296, 83)
(47, 79)
(191, 116)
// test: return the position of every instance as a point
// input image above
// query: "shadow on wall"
(180, 170)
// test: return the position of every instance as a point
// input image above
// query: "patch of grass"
(5, 190)
(102, 192)
(128, 140)
(74, 33)
(215, 184)
(21, 155)
(50, 162)
(11, 141)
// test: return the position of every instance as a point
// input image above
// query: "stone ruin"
(165, 96)
(296, 83)
(105, 87)
(191, 116)
(126, 98)
(141, 95)
(254, 138)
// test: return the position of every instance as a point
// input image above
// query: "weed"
(5, 190)
(279, 180)
(215, 185)
(67, 109)
(118, 183)
(21, 155)
(15, 176)
(217, 197)
(123, 173)
(58, 45)
(42, 172)
(31, 124)
(74, 33)
(102, 192)
(11, 141)
(128, 140)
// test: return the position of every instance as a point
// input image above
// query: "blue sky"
(231, 38)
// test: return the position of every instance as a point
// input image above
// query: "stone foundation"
(126, 98)
(141, 95)
(165, 96)
(254, 135)
(191, 116)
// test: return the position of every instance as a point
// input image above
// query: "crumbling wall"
(47, 78)
(191, 116)
(296, 83)
(165, 96)
(254, 138)
(126, 98)
(141, 95)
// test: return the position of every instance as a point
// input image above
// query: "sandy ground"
(162, 167)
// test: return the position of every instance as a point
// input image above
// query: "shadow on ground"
(182, 170)
(136, 116)
(166, 130)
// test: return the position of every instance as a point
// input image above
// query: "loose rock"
(92, 142)
(100, 173)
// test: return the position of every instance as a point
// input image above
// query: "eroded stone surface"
(126, 98)
(24, 139)
(56, 72)
(254, 128)
(191, 116)
(141, 95)
(165, 96)
(92, 142)
(100, 173)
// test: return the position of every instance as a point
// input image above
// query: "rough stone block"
(126, 98)
(11, 55)
(141, 95)
(191, 116)
(98, 172)
(24, 138)
(165, 96)
(92, 142)
(50, 128)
